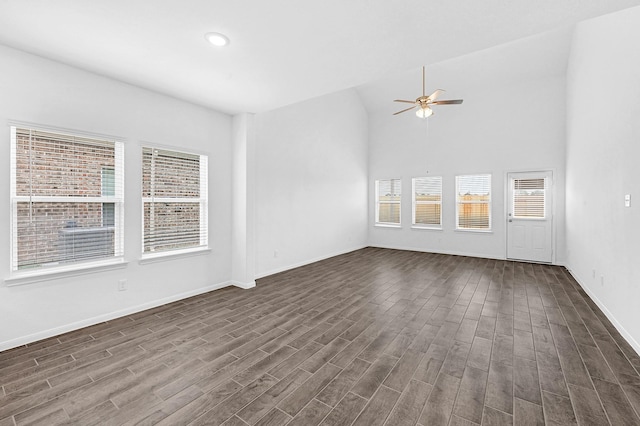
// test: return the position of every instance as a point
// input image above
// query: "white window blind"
(427, 202)
(473, 202)
(64, 209)
(388, 198)
(529, 198)
(174, 200)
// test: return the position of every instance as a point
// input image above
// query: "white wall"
(510, 124)
(311, 181)
(243, 200)
(603, 153)
(40, 91)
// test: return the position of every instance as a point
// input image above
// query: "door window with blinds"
(473, 202)
(388, 198)
(174, 201)
(66, 199)
(529, 197)
(427, 202)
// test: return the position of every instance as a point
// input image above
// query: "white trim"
(174, 148)
(473, 231)
(451, 253)
(625, 334)
(201, 200)
(8, 344)
(45, 272)
(65, 131)
(162, 256)
(488, 203)
(387, 225)
(415, 203)
(307, 262)
(427, 228)
(56, 272)
(242, 285)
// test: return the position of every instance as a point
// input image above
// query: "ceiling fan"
(424, 102)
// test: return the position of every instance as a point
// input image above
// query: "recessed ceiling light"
(217, 39)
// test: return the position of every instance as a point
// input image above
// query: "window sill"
(474, 231)
(48, 274)
(387, 225)
(425, 228)
(171, 255)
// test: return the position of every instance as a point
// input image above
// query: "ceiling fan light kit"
(424, 102)
(424, 112)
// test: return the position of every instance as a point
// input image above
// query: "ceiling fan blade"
(404, 110)
(448, 102)
(434, 95)
(405, 101)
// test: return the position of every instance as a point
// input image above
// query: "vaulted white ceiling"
(281, 51)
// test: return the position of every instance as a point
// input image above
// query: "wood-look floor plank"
(262, 405)
(346, 411)
(370, 337)
(309, 389)
(340, 386)
(409, 407)
(374, 376)
(527, 413)
(378, 408)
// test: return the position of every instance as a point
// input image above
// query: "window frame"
(378, 203)
(489, 203)
(59, 268)
(202, 200)
(416, 202)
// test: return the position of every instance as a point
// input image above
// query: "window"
(388, 195)
(427, 202)
(174, 200)
(473, 204)
(58, 199)
(529, 198)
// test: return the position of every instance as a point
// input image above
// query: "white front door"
(529, 217)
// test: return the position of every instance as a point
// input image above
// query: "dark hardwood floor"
(368, 338)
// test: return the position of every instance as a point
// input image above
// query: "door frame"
(505, 212)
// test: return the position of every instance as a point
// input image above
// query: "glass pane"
(529, 198)
(108, 214)
(473, 215)
(473, 187)
(59, 165)
(428, 214)
(389, 212)
(428, 188)
(54, 233)
(389, 190)
(170, 226)
(170, 174)
(108, 182)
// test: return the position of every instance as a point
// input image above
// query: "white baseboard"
(634, 344)
(452, 253)
(13, 343)
(306, 262)
(242, 285)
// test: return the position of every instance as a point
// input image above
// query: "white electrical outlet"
(627, 200)
(122, 285)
